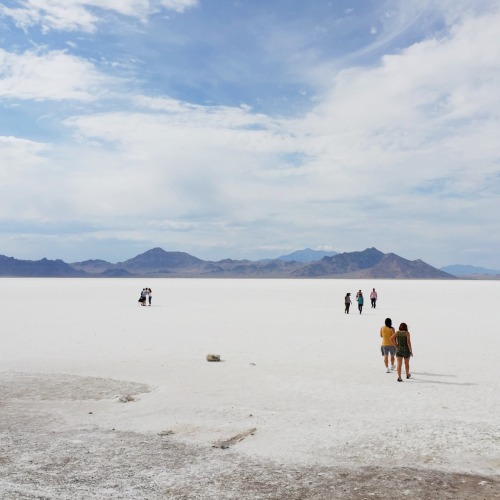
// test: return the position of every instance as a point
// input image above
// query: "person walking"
(347, 303)
(373, 298)
(142, 298)
(402, 340)
(359, 297)
(150, 295)
(388, 347)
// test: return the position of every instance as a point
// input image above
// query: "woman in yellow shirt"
(388, 347)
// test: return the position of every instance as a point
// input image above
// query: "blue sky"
(250, 128)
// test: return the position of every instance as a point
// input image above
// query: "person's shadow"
(428, 381)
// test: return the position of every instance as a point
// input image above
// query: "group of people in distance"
(396, 344)
(360, 301)
(146, 295)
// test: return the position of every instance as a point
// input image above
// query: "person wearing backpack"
(359, 297)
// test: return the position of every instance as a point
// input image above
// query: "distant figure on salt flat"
(388, 347)
(359, 298)
(142, 298)
(401, 339)
(347, 303)
(150, 295)
(373, 298)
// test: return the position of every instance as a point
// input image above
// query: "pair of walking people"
(348, 302)
(146, 294)
(396, 344)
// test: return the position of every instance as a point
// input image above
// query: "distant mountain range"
(36, 268)
(463, 270)
(369, 263)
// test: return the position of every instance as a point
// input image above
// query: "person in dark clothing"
(142, 298)
(347, 303)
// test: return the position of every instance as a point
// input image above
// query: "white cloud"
(52, 75)
(204, 159)
(18, 157)
(52, 15)
(83, 15)
(24, 169)
(178, 5)
(417, 116)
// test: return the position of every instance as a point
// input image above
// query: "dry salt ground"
(101, 398)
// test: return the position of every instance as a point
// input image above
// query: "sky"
(250, 128)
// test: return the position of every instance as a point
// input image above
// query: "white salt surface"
(308, 377)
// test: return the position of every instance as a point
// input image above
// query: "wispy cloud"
(84, 15)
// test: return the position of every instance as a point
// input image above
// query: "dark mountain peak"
(396, 267)
(369, 263)
(159, 258)
(373, 253)
(306, 255)
(94, 262)
(341, 264)
(92, 266)
(156, 252)
(360, 259)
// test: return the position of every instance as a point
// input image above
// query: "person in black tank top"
(403, 349)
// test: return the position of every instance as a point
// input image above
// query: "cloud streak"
(84, 15)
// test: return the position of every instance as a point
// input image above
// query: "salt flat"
(308, 378)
